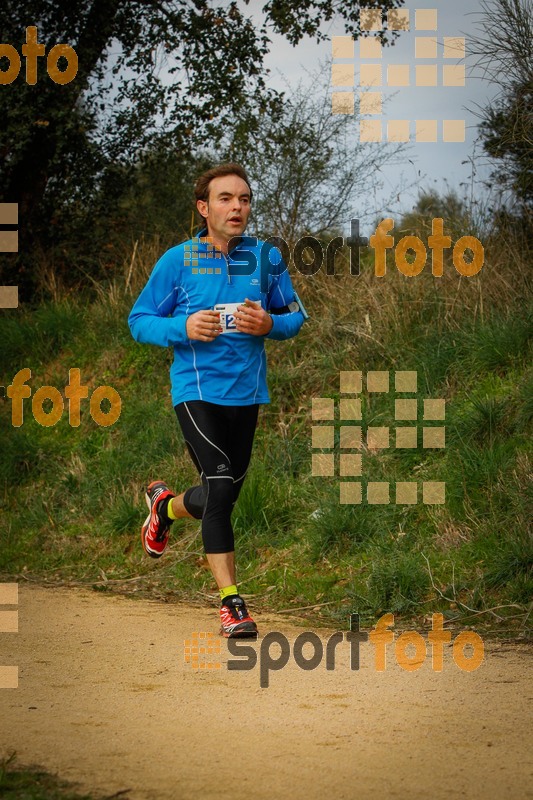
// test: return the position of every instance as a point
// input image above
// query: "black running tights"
(219, 440)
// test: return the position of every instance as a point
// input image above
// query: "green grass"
(397, 582)
(72, 498)
(30, 783)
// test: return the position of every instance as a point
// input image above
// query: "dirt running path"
(106, 700)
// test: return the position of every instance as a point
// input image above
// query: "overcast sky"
(438, 164)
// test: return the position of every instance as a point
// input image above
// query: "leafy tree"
(119, 102)
(309, 173)
(504, 50)
(169, 72)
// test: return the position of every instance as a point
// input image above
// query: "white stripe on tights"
(203, 434)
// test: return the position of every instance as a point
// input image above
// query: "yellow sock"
(170, 512)
(227, 591)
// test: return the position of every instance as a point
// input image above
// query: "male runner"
(215, 299)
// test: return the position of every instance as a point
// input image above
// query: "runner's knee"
(220, 495)
(194, 501)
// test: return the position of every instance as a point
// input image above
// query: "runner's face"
(227, 210)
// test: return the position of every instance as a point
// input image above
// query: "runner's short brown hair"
(201, 187)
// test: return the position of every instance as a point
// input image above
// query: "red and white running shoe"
(235, 621)
(154, 532)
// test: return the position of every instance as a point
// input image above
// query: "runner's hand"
(251, 318)
(203, 325)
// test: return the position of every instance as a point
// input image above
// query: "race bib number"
(227, 316)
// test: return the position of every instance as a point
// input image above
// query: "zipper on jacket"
(227, 268)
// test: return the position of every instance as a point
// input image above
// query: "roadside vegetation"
(72, 500)
(32, 783)
(102, 172)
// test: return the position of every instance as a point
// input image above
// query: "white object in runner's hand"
(227, 316)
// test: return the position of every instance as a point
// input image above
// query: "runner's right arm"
(159, 315)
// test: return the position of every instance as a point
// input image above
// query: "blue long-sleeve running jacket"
(194, 276)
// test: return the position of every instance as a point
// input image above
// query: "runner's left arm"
(286, 308)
